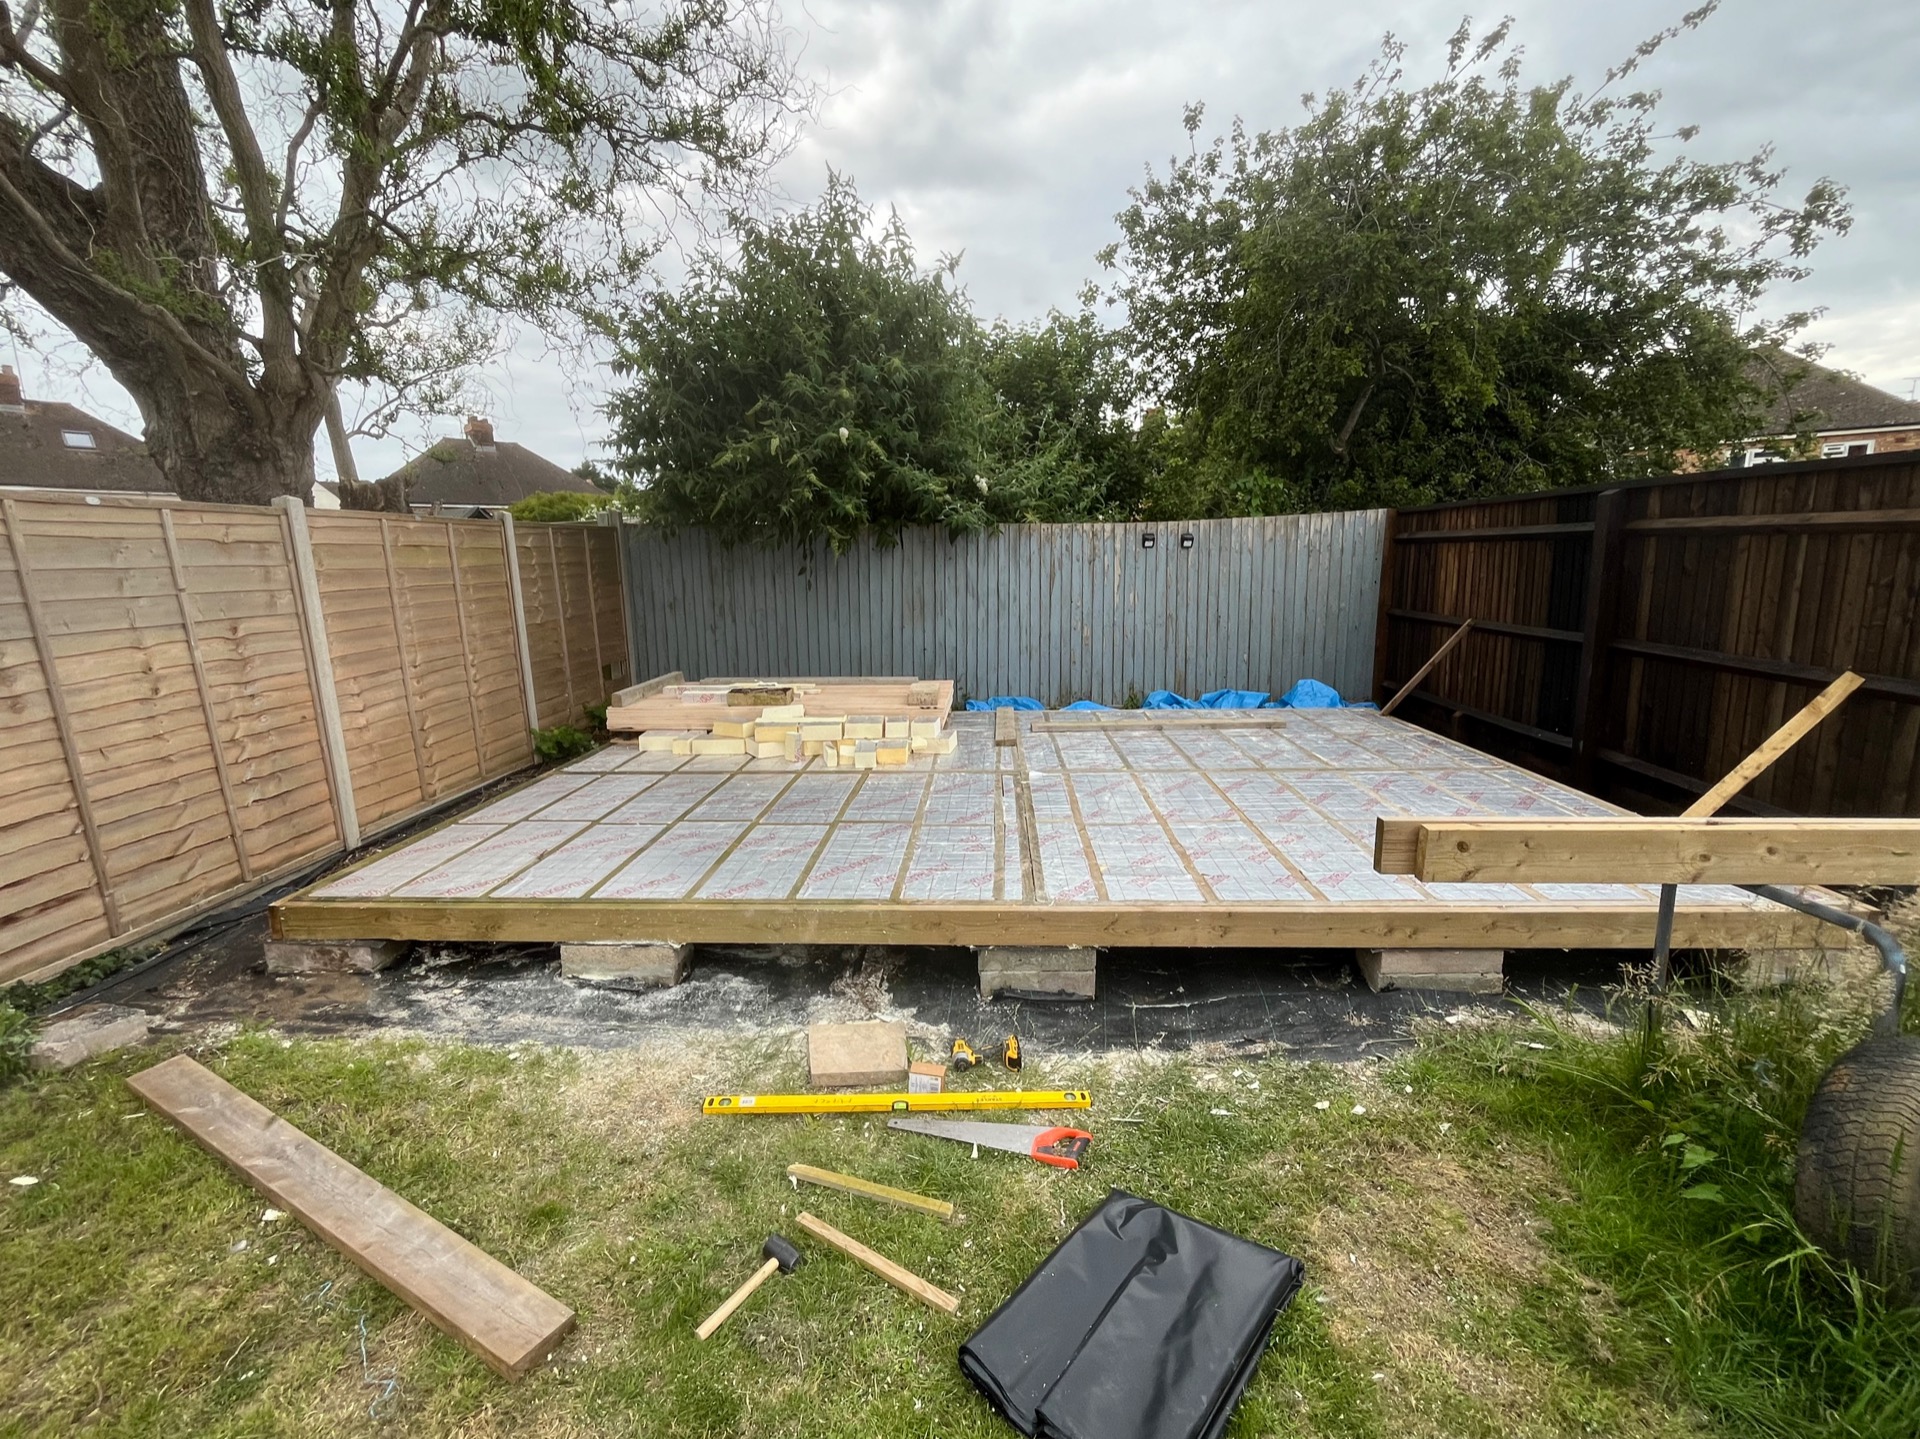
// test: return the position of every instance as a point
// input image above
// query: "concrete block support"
(333, 956)
(92, 1030)
(1463, 971)
(627, 964)
(1064, 972)
(867, 1055)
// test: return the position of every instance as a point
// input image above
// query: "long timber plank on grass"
(508, 1322)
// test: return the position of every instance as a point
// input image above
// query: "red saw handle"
(1062, 1148)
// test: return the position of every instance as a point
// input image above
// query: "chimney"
(11, 402)
(480, 432)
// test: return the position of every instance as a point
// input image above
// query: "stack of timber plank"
(860, 724)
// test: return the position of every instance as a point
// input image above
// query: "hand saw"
(1058, 1146)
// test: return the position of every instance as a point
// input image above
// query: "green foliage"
(1470, 287)
(267, 197)
(561, 743)
(559, 506)
(35, 997)
(1679, 1152)
(16, 1038)
(1066, 450)
(818, 383)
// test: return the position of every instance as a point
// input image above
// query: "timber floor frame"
(1248, 828)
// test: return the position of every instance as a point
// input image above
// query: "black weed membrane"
(1142, 1324)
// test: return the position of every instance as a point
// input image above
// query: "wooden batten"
(1651, 851)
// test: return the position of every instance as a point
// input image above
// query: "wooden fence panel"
(51, 898)
(425, 659)
(163, 716)
(575, 609)
(170, 677)
(370, 676)
(1640, 641)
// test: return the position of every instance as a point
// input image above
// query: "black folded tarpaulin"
(1142, 1324)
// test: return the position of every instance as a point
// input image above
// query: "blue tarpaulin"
(1311, 695)
(1006, 702)
(1212, 700)
(1305, 695)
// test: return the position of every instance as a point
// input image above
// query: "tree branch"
(15, 55)
(58, 251)
(251, 176)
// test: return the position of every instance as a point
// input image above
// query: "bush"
(561, 743)
(553, 507)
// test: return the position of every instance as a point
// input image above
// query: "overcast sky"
(1011, 130)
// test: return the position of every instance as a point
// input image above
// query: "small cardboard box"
(926, 1078)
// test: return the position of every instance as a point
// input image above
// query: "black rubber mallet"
(781, 1255)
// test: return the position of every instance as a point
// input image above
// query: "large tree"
(1069, 449)
(239, 204)
(1471, 286)
(816, 381)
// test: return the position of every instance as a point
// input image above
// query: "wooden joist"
(508, 1322)
(1305, 925)
(1651, 851)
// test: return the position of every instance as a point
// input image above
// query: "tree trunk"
(211, 446)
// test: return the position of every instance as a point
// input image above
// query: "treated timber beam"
(920, 922)
(507, 1321)
(1651, 851)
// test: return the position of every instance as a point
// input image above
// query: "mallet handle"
(736, 1299)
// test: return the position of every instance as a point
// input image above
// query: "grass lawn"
(1524, 1229)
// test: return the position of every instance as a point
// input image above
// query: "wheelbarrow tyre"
(1857, 1177)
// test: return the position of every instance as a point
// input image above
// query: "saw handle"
(1061, 1147)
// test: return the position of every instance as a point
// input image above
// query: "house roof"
(1825, 400)
(34, 450)
(460, 472)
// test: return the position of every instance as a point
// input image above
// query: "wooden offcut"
(904, 1280)
(1651, 851)
(867, 1189)
(508, 1322)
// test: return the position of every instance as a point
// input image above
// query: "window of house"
(79, 440)
(1845, 449)
(1763, 457)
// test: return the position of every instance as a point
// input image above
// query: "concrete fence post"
(333, 738)
(520, 620)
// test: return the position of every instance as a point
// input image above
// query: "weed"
(561, 743)
(33, 998)
(16, 1038)
(1679, 1148)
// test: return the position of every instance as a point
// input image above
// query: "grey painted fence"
(1060, 612)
